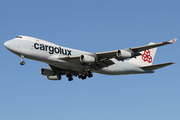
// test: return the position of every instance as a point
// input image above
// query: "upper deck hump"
(37, 40)
(33, 39)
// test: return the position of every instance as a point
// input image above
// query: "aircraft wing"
(134, 51)
(103, 59)
(146, 47)
(98, 64)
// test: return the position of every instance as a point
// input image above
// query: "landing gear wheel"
(90, 74)
(22, 60)
(22, 63)
(80, 76)
(70, 78)
(84, 77)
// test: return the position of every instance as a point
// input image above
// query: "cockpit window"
(18, 37)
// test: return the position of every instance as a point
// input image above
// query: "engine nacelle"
(47, 72)
(55, 77)
(87, 59)
(123, 54)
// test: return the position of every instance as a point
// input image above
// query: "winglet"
(172, 41)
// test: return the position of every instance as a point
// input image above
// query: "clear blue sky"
(94, 26)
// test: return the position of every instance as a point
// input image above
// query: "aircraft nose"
(13, 45)
(9, 44)
(6, 44)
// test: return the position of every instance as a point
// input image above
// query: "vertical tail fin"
(146, 58)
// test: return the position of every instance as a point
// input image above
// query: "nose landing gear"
(22, 60)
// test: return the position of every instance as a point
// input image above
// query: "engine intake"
(47, 72)
(124, 54)
(87, 59)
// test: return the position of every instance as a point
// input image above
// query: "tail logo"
(173, 40)
(146, 56)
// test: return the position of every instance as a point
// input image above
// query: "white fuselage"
(40, 50)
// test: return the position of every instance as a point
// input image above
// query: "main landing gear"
(84, 76)
(22, 60)
(80, 76)
(69, 76)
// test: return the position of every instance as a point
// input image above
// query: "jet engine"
(55, 77)
(47, 72)
(87, 59)
(123, 54)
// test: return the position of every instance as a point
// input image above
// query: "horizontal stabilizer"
(157, 66)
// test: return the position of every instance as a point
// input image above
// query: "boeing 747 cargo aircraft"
(81, 64)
